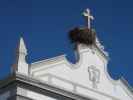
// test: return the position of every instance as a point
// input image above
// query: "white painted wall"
(76, 78)
(32, 95)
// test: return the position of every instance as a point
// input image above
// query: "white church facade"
(58, 79)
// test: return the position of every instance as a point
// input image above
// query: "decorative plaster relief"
(94, 75)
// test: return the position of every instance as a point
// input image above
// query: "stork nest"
(82, 35)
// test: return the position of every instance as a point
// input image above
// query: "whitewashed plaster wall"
(76, 77)
(32, 95)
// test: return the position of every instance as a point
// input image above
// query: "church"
(58, 79)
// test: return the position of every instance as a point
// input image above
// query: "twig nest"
(82, 35)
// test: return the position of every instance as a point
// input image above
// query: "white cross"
(89, 17)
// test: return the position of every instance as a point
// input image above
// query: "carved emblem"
(94, 75)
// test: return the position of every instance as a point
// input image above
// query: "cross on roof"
(89, 17)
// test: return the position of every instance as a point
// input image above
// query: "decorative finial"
(21, 66)
(22, 47)
(84, 35)
(89, 17)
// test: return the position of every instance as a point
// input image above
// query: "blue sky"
(44, 24)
